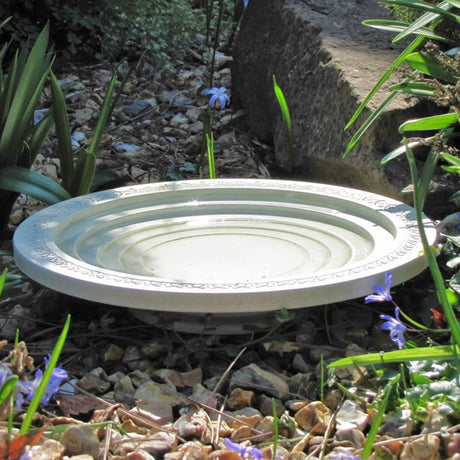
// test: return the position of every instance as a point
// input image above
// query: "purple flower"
(217, 95)
(30, 387)
(396, 328)
(382, 294)
(251, 452)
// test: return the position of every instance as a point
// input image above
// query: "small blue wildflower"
(382, 294)
(246, 2)
(342, 454)
(251, 452)
(396, 328)
(29, 388)
(217, 95)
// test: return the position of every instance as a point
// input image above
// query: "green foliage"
(20, 138)
(105, 29)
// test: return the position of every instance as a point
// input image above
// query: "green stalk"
(210, 147)
(419, 197)
(378, 420)
(45, 379)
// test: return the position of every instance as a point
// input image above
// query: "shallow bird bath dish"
(223, 246)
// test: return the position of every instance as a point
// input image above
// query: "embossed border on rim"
(41, 259)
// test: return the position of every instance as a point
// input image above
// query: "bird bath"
(232, 248)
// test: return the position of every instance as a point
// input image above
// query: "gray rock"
(351, 416)
(252, 377)
(136, 107)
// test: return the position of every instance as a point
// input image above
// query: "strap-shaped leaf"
(442, 353)
(104, 116)
(84, 173)
(373, 116)
(25, 99)
(400, 26)
(435, 122)
(435, 13)
(64, 142)
(431, 66)
(394, 65)
(24, 180)
(401, 150)
(416, 88)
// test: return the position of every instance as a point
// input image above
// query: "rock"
(123, 391)
(252, 377)
(136, 107)
(47, 450)
(240, 398)
(80, 439)
(355, 436)
(350, 416)
(314, 417)
(423, 448)
(326, 64)
(175, 98)
(113, 353)
(265, 405)
(94, 384)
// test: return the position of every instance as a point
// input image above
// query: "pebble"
(80, 439)
(314, 417)
(252, 377)
(239, 398)
(351, 416)
(422, 448)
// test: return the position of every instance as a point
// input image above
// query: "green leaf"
(2, 282)
(401, 150)
(431, 66)
(39, 134)
(442, 352)
(416, 88)
(394, 65)
(365, 126)
(286, 118)
(25, 98)
(64, 142)
(437, 10)
(31, 411)
(435, 122)
(24, 180)
(398, 26)
(84, 173)
(104, 116)
(8, 388)
(430, 17)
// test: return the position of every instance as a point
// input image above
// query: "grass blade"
(45, 379)
(435, 122)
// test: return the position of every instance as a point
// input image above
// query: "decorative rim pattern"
(39, 255)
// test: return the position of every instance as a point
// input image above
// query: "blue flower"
(396, 328)
(30, 387)
(217, 95)
(246, 2)
(382, 294)
(242, 451)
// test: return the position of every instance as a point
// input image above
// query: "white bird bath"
(226, 247)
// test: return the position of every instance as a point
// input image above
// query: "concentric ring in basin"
(221, 246)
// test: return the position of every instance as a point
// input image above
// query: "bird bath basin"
(225, 247)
